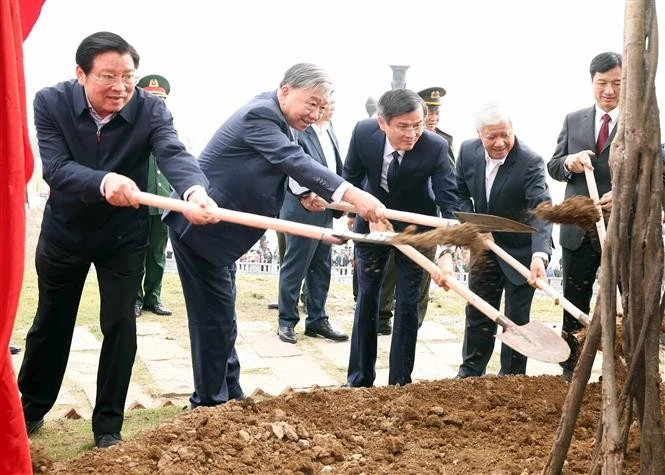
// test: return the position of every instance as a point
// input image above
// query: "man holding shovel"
(247, 162)
(395, 160)
(584, 142)
(499, 175)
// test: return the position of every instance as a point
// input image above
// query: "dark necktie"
(604, 133)
(393, 168)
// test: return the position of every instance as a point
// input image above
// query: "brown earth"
(484, 425)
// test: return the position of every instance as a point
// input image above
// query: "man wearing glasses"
(393, 159)
(95, 135)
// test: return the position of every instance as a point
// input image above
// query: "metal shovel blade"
(374, 237)
(490, 223)
(535, 340)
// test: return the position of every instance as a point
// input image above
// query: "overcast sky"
(533, 55)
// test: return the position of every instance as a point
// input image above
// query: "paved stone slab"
(269, 383)
(269, 346)
(433, 331)
(430, 366)
(84, 340)
(336, 353)
(146, 328)
(152, 348)
(249, 358)
(291, 372)
(172, 377)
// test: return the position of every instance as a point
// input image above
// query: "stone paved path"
(164, 368)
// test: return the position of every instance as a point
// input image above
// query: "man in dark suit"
(432, 97)
(150, 290)
(394, 159)
(499, 175)
(95, 135)
(247, 162)
(578, 148)
(307, 259)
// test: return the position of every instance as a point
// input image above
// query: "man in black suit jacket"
(499, 175)
(95, 135)
(248, 162)
(304, 258)
(577, 149)
(394, 159)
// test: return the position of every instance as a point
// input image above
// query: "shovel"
(487, 223)
(541, 284)
(327, 235)
(600, 224)
(533, 340)
(484, 222)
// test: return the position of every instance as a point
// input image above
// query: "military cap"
(155, 84)
(432, 96)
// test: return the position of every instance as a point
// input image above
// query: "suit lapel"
(335, 143)
(314, 139)
(587, 128)
(376, 147)
(480, 165)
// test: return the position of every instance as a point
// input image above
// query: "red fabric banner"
(16, 165)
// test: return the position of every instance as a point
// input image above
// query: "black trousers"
(579, 274)
(487, 280)
(61, 274)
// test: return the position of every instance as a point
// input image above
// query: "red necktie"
(604, 133)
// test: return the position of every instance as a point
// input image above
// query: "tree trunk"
(633, 252)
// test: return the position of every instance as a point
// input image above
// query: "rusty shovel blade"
(491, 223)
(535, 340)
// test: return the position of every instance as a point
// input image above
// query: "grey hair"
(491, 113)
(307, 76)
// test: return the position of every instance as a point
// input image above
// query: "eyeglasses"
(406, 128)
(110, 79)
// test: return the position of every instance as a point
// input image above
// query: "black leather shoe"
(326, 331)
(104, 441)
(384, 328)
(14, 349)
(34, 426)
(158, 309)
(137, 310)
(273, 306)
(287, 334)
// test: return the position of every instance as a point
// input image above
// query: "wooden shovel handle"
(600, 224)
(593, 194)
(540, 283)
(404, 216)
(239, 217)
(460, 289)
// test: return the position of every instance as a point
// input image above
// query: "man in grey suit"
(578, 148)
(307, 259)
(247, 163)
(498, 174)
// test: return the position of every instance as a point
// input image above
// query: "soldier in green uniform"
(148, 297)
(432, 97)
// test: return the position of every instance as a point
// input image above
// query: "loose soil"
(487, 425)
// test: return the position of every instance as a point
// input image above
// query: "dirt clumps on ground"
(491, 425)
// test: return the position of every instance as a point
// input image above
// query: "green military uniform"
(432, 97)
(149, 294)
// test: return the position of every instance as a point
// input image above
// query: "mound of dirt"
(481, 425)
